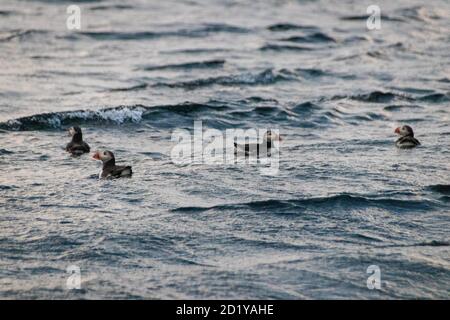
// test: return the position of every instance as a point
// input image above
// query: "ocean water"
(344, 198)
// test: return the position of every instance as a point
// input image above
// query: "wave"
(137, 87)
(351, 39)
(274, 113)
(305, 108)
(256, 99)
(433, 243)
(60, 119)
(113, 35)
(365, 17)
(316, 37)
(190, 107)
(436, 97)
(412, 90)
(377, 54)
(385, 97)
(195, 50)
(289, 26)
(440, 188)
(4, 151)
(218, 63)
(277, 47)
(255, 109)
(116, 115)
(202, 31)
(310, 73)
(107, 7)
(402, 107)
(305, 114)
(4, 187)
(344, 200)
(20, 34)
(414, 13)
(376, 97)
(420, 13)
(265, 77)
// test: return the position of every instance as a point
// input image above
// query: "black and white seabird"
(110, 170)
(406, 139)
(77, 146)
(265, 146)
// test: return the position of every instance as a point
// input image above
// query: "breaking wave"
(303, 114)
(56, 120)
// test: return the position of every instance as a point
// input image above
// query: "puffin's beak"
(96, 156)
(397, 130)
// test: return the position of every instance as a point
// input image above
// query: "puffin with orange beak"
(110, 170)
(406, 140)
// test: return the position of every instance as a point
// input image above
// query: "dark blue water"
(344, 197)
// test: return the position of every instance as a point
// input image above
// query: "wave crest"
(264, 77)
(56, 120)
(343, 200)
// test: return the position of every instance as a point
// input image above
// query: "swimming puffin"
(266, 145)
(77, 146)
(110, 170)
(406, 139)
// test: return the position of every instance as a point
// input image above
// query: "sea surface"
(344, 197)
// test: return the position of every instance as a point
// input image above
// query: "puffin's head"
(405, 131)
(271, 136)
(74, 130)
(104, 156)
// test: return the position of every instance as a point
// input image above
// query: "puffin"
(266, 145)
(77, 146)
(110, 170)
(406, 140)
